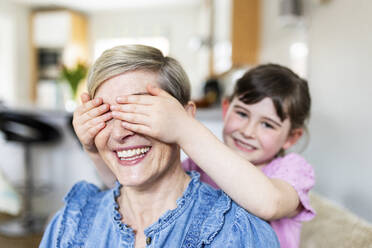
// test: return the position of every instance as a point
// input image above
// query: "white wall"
(14, 50)
(340, 63)
(278, 34)
(339, 73)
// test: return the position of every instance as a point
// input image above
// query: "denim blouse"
(204, 217)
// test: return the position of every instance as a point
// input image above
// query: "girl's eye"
(267, 125)
(241, 114)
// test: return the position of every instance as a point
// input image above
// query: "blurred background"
(46, 47)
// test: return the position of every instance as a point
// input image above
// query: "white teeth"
(132, 158)
(125, 154)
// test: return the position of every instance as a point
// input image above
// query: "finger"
(93, 131)
(156, 91)
(138, 99)
(132, 108)
(131, 117)
(88, 106)
(103, 118)
(84, 97)
(137, 128)
(93, 113)
(87, 131)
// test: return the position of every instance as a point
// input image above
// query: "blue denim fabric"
(204, 217)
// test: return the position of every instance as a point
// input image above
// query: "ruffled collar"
(166, 219)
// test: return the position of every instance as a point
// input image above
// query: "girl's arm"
(246, 184)
(242, 181)
(88, 120)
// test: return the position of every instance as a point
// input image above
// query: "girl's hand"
(158, 115)
(90, 118)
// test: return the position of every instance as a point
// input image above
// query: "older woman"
(154, 203)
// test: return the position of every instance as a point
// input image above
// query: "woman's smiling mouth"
(132, 155)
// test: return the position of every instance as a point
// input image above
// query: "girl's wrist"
(190, 128)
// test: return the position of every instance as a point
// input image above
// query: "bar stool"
(26, 129)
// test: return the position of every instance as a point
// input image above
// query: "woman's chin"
(132, 176)
(131, 181)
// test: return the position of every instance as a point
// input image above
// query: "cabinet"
(57, 37)
(245, 32)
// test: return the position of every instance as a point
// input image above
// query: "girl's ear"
(225, 107)
(191, 108)
(293, 137)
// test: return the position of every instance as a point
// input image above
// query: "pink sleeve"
(294, 169)
(188, 165)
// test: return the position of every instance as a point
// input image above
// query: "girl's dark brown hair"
(289, 93)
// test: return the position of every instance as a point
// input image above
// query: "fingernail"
(120, 99)
(97, 100)
(114, 107)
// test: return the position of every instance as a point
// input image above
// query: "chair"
(26, 129)
(334, 226)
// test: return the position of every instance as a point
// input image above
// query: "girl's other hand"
(158, 115)
(89, 119)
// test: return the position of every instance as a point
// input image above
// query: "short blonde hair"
(121, 59)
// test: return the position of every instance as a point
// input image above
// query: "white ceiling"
(97, 5)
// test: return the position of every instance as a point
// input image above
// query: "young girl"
(265, 116)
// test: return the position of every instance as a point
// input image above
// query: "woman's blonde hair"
(121, 59)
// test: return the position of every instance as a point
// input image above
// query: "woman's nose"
(119, 133)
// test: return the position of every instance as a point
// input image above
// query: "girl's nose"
(249, 130)
(119, 133)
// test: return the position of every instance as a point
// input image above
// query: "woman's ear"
(191, 108)
(225, 107)
(293, 137)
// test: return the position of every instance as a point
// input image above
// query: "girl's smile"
(244, 146)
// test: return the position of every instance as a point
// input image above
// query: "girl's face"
(255, 131)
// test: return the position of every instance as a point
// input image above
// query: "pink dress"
(293, 169)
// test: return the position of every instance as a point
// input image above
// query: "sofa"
(334, 226)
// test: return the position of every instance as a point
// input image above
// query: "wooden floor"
(18, 242)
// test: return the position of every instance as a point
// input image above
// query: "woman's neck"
(141, 207)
